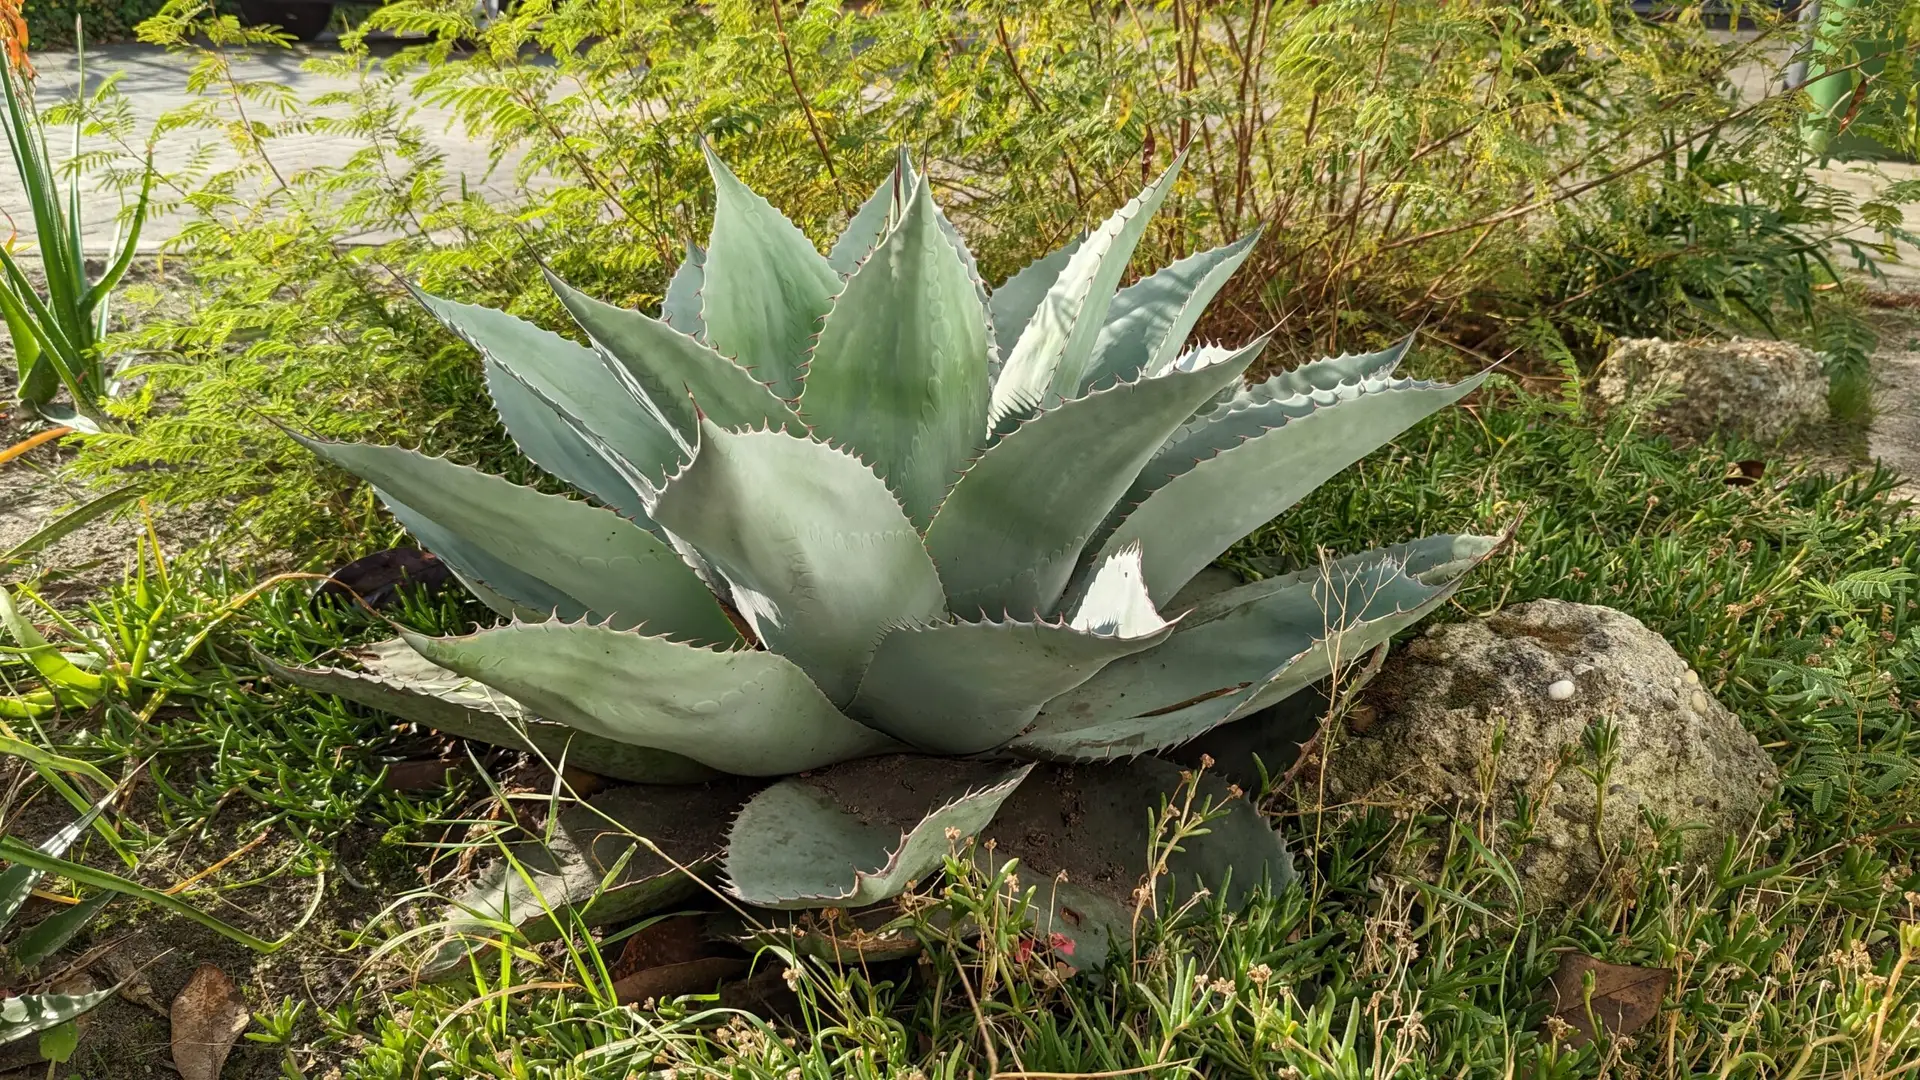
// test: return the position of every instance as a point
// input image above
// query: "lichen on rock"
(1760, 389)
(1478, 713)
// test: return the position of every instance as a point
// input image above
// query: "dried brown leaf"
(208, 1015)
(1624, 999)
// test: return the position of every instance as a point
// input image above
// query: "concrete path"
(155, 83)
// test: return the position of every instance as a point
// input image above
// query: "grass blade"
(14, 851)
(52, 665)
(51, 934)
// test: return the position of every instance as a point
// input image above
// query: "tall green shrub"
(1402, 164)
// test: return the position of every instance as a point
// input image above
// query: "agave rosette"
(857, 517)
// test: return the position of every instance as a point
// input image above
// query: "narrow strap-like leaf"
(565, 556)
(54, 530)
(1052, 355)
(35, 383)
(51, 934)
(766, 286)
(59, 252)
(859, 833)
(13, 851)
(61, 674)
(748, 712)
(899, 374)
(1249, 646)
(1241, 470)
(93, 306)
(1007, 537)
(818, 552)
(18, 880)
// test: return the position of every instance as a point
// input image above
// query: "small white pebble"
(1560, 691)
(1700, 702)
(1692, 677)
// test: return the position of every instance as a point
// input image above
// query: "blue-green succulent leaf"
(766, 288)
(874, 218)
(1149, 322)
(680, 308)
(818, 554)
(542, 552)
(1246, 647)
(747, 712)
(678, 376)
(1235, 469)
(899, 374)
(394, 679)
(538, 380)
(966, 687)
(1008, 535)
(859, 833)
(1012, 304)
(1051, 357)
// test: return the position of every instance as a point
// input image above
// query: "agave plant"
(874, 544)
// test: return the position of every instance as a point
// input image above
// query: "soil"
(263, 890)
(899, 790)
(1894, 438)
(34, 491)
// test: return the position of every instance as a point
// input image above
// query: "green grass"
(1794, 597)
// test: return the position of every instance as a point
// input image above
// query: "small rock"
(1435, 723)
(1761, 389)
(1560, 690)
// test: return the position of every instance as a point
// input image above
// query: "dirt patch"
(266, 888)
(1894, 437)
(900, 790)
(35, 490)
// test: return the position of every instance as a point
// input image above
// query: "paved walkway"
(155, 83)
